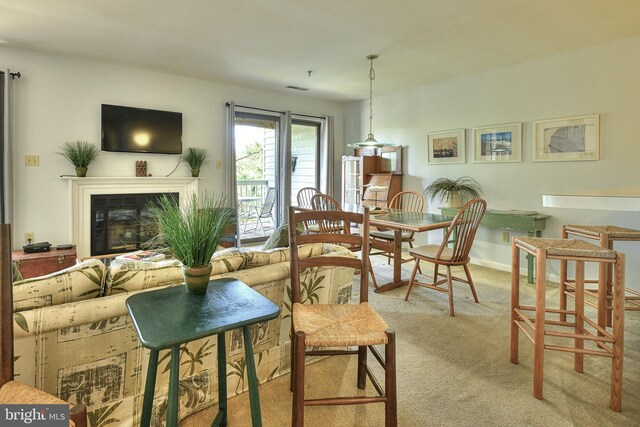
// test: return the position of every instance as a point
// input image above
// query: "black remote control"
(67, 246)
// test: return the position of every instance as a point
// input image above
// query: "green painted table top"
(510, 219)
(170, 316)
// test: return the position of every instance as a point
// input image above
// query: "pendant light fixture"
(370, 142)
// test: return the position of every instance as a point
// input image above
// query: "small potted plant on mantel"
(195, 158)
(192, 232)
(80, 154)
(454, 192)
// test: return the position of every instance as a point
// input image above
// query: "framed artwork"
(447, 147)
(567, 139)
(499, 143)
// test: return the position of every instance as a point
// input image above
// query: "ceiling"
(272, 44)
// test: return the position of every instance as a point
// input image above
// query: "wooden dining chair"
(14, 392)
(463, 228)
(304, 196)
(323, 327)
(324, 202)
(304, 201)
(408, 201)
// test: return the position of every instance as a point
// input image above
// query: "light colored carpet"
(455, 371)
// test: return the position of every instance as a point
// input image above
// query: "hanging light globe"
(371, 141)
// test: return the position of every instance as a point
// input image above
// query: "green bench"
(531, 222)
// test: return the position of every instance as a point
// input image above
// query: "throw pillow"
(279, 238)
(80, 282)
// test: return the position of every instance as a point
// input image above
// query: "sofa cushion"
(133, 275)
(80, 282)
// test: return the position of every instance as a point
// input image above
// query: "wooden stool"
(606, 344)
(606, 235)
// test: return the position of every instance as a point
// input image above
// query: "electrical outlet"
(218, 164)
(505, 236)
(32, 160)
(29, 237)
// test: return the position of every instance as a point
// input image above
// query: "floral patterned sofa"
(75, 339)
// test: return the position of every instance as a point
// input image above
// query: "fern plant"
(446, 188)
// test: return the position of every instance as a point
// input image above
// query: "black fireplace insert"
(122, 222)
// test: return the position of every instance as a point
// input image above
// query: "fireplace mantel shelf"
(140, 179)
(81, 190)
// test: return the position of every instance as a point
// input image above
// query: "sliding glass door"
(305, 146)
(262, 179)
(256, 175)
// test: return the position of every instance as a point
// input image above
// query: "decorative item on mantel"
(454, 192)
(192, 232)
(195, 158)
(80, 154)
(141, 168)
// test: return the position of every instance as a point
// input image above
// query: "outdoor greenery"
(466, 187)
(195, 157)
(250, 162)
(192, 232)
(79, 153)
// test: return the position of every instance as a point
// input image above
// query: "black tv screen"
(137, 130)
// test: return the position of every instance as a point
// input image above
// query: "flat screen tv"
(138, 130)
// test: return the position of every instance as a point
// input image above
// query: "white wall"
(58, 99)
(601, 80)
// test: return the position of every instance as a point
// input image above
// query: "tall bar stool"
(535, 327)
(606, 235)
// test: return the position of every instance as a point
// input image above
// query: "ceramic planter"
(196, 279)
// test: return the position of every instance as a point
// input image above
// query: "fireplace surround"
(81, 190)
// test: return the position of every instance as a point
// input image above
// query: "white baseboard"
(507, 267)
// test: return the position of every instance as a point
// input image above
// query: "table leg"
(149, 389)
(221, 418)
(254, 396)
(397, 265)
(172, 399)
(530, 265)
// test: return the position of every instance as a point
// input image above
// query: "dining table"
(399, 221)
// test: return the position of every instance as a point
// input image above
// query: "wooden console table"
(41, 263)
(531, 222)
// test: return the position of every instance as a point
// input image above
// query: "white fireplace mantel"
(81, 190)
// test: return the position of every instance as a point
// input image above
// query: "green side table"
(531, 222)
(168, 317)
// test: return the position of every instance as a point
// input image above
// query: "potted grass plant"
(195, 158)
(191, 231)
(454, 192)
(80, 154)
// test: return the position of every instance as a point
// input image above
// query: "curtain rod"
(275, 111)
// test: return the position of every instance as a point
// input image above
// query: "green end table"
(168, 317)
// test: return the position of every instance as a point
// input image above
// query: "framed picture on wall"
(447, 146)
(498, 143)
(567, 139)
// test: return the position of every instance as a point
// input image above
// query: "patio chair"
(263, 212)
(14, 392)
(463, 228)
(334, 329)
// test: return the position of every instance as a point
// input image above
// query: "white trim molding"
(81, 190)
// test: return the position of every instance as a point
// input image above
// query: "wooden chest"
(41, 263)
